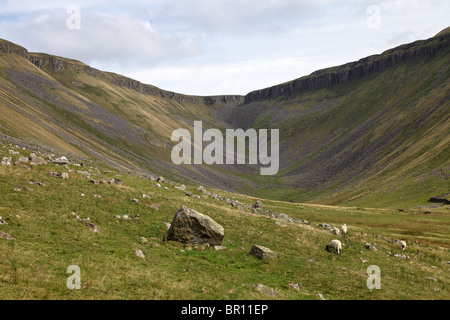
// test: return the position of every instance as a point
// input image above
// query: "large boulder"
(191, 227)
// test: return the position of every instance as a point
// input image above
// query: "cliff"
(354, 70)
(55, 63)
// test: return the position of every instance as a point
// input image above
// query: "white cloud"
(218, 46)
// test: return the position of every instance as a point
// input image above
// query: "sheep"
(400, 243)
(344, 230)
(336, 245)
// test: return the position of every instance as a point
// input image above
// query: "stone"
(257, 205)
(139, 254)
(266, 290)
(325, 225)
(160, 179)
(191, 227)
(320, 296)
(143, 240)
(202, 189)
(38, 161)
(296, 286)
(145, 196)
(115, 181)
(262, 253)
(23, 159)
(61, 161)
(218, 248)
(368, 246)
(6, 161)
(6, 236)
(64, 175)
(134, 200)
(284, 217)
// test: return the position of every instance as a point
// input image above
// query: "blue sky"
(209, 47)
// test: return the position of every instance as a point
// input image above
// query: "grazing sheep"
(344, 230)
(336, 245)
(400, 243)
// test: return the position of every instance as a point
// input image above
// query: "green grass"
(49, 239)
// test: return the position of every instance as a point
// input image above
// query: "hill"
(372, 132)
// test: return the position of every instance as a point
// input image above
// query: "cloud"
(218, 46)
(116, 39)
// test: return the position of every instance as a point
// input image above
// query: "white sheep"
(344, 230)
(336, 245)
(401, 243)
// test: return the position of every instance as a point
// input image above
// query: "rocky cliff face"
(9, 47)
(44, 61)
(354, 70)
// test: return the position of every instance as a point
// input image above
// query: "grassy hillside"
(369, 133)
(39, 210)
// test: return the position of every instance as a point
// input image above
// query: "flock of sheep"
(336, 245)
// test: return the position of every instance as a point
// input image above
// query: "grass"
(49, 239)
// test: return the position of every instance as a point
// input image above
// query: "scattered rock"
(320, 296)
(325, 225)
(160, 179)
(431, 278)
(143, 240)
(158, 185)
(368, 246)
(262, 253)
(257, 205)
(6, 161)
(296, 286)
(139, 254)
(266, 290)
(64, 175)
(61, 161)
(284, 217)
(182, 187)
(6, 236)
(134, 200)
(23, 159)
(218, 248)
(115, 181)
(38, 161)
(190, 226)
(196, 196)
(145, 196)
(202, 189)
(188, 193)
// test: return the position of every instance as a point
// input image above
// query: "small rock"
(257, 205)
(6, 161)
(6, 236)
(262, 253)
(134, 200)
(61, 161)
(266, 290)
(160, 179)
(320, 296)
(296, 286)
(126, 218)
(139, 254)
(218, 248)
(431, 278)
(145, 196)
(64, 175)
(158, 185)
(143, 240)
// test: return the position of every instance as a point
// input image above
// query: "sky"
(215, 47)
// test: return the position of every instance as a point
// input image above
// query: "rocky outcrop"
(354, 70)
(9, 47)
(191, 227)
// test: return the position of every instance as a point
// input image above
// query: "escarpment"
(354, 70)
